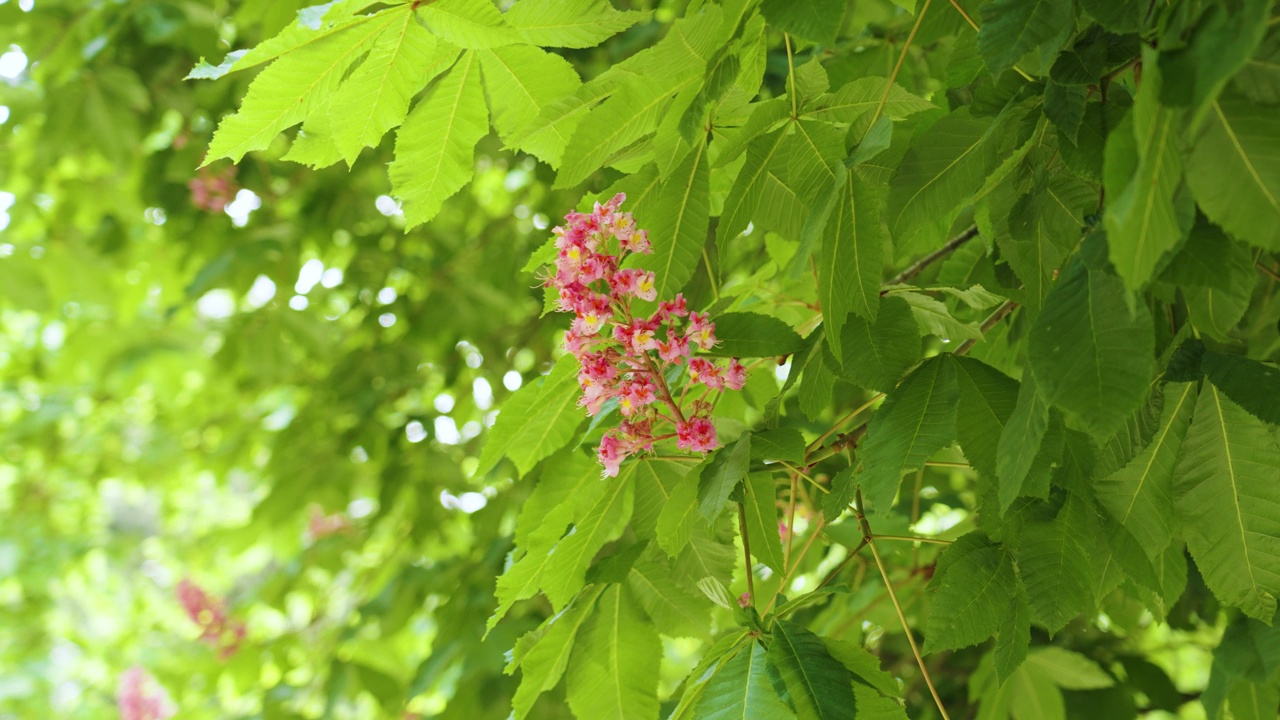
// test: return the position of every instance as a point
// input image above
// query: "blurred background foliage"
(252, 377)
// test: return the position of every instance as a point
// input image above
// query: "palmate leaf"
(307, 29)
(1234, 170)
(538, 420)
(917, 419)
(678, 218)
(851, 259)
(614, 669)
(1054, 563)
(1090, 355)
(375, 98)
(854, 103)
(619, 121)
(470, 24)
(1226, 496)
(676, 610)
(543, 665)
(569, 23)
(742, 690)
(293, 87)
(816, 20)
(521, 81)
(1140, 495)
(656, 483)
(974, 575)
(1013, 28)
(603, 522)
(435, 145)
(1147, 217)
(818, 686)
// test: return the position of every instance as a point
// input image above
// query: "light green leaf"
(749, 187)
(674, 608)
(1145, 218)
(816, 20)
(876, 354)
(1013, 28)
(820, 688)
(1054, 561)
(470, 24)
(308, 28)
(676, 521)
(1069, 670)
(973, 576)
(747, 334)
(855, 102)
(987, 400)
(614, 670)
(539, 419)
(935, 319)
(850, 261)
(1140, 495)
(1033, 696)
(1090, 355)
(1225, 491)
(292, 88)
(780, 444)
(1234, 170)
(569, 23)
(521, 82)
(874, 706)
(435, 145)
(760, 506)
(742, 690)
(544, 664)
(603, 522)
(918, 419)
(656, 484)
(619, 121)
(726, 469)
(678, 219)
(712, 664)
(375, 98)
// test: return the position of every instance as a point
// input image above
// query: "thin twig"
(843, 563)
(912, 538)
(893, 77)
(1268, 271)
(893, 597)
(840, 423)
(974, 25)
(987, 324)
(933, 257)
(746, 554)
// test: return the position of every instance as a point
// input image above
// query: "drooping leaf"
(973, 576)
(1224, 492)
(678, 219)
(762, 520)
(742, 690)
(614, 669)
(747, 334)
(850, 262)
(569, 23)
(521, 82)
(1091, 356)
(877, 353)
(1054, 563)
(1240, 141)
(917, 419)
(1014, 636)
(1011, 29)
(988, 398)
(435, 145)
(819, 687)
(544, 664)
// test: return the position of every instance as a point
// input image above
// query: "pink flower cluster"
(626, 355)
(140, 697)
(217, 630)
(212, 191)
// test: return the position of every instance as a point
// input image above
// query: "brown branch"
(934, 256)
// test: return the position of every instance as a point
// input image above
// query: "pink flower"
(216, 629)
(736, 376)
(637, 432)
(610, 454)
(697, 435)
(321, 526)
(624, 228)
(593, 313)
(140, 697)
(673, 308)
(639, 242)
(675, 349)
(594, 397)
(702, 332)
(644, 336)
(635, 395)
(703, 371)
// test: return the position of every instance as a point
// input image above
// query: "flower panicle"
(626, 350)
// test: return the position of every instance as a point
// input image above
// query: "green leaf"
(1259, 79)
(874, 706)
(334, 18)
(855, 102)
(1140, 495)
(656, 484)
(712, 664)
(435, 145)
(946, 164)
(1222, 39)
(1024, 445)
(1239, 141)
(876, 353)
(820, 688)
(292, 88)
(987, 401)
(1253, 701)
(816, 20)
(1118, 16)
(742, 690)
(539, 419)
(780, 444)
(625, 117)
(376, 96)
(544, 664)
(522, 81)
(1252, 385)
(676, 521)
(935, 319)
(864, 666)
(1013, 28)
(747, 334)
(603, 522)
(749, 187)
(1054, 561)
(678, 219)
(675, 610)
(1224, 492)
(706, 557)
(726, 469)
(1145, 217)
(1014, 636)
(1069, 670)
(569, 23)
(851, 259)
(1034, 697)
(614, 670)
(917, 419)
(760, 506)
(1090, 355)
(973, 576)
(470, 24)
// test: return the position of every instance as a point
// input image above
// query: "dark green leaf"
(819, 687)
(746, 334)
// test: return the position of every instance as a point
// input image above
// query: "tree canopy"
(640, 358)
